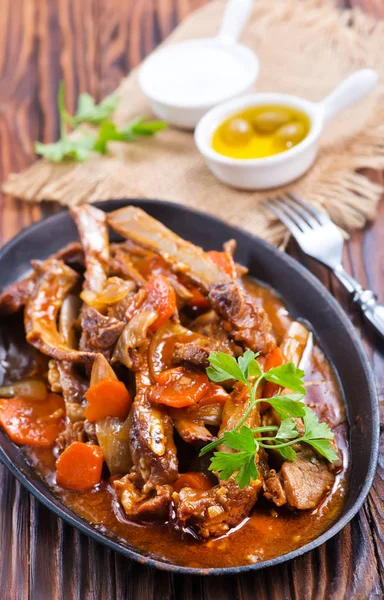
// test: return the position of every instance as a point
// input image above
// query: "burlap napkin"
(306, 47)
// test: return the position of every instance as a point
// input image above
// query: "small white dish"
(183, 81)
(279, 169)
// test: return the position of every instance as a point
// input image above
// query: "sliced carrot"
(194, 480)
(107, 398)
(274, 359)
(225, 261)
(215, 395)
(179, 387)
(79, 467)
(32, 423)
(197, 300)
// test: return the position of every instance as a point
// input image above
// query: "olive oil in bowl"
(261, 131)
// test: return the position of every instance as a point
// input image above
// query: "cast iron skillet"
(306, 299)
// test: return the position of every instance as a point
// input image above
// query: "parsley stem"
(265, 428)
(269, 446)
(252, 396)
(61, 107)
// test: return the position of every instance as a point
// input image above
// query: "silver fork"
(319, 237)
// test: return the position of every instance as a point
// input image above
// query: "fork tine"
(303, 212)
(283, 218)
(296, 218)
(321, 216)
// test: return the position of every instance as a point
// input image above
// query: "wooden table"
(91, 44)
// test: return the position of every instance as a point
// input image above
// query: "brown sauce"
(269, 531)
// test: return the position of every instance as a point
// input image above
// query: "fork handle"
(372, 310)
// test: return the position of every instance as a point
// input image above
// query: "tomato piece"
(32, 423)
(274, 359)
(79, 467)
(194, 480)
(225, 261)
(179, 387)
(107, 398)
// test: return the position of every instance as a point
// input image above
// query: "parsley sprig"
(245, 441)
(80, 147)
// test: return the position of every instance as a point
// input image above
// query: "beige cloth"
(305, 47)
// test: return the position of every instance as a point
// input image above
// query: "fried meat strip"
(16, 295)
(99, 332)
(250, 323)
(145, 493)
(55, 280)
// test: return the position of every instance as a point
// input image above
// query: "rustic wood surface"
(91, 44)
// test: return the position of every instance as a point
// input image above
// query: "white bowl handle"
(353, 89)
(236, 15)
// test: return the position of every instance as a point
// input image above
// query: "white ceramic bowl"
(183, 81)
(279, 169)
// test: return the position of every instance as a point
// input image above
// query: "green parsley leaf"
(223, 367)
(244, 461)
(287, 430)
(289, 405)
(287, 452)
(248, 472)
(108, 132)
(227, 463)
(141, 127)
(90, 112)
(313, 429)
(73, 149)
(240, 440)
(248, 365)
(287, 376)
(324, 448)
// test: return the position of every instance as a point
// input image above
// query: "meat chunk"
(193, 431)
(151, 443)
(213, 512)
(16, 295)
(251, 323)
(99, 332)
(93, 232)
(122, 265)
(192, 354)
(302, 483)
(55, 280)
(134, 224)
(143, 507)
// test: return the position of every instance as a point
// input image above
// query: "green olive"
(270, 120)
(290, 134)
(237, 132)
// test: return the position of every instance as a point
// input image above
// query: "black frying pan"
(306, 299)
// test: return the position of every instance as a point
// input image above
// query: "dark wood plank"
(92, 44)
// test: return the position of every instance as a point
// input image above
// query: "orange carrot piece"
(32, 423)
(274, 359)
(194, 480)
(79, 467)
(225, 261)
(107, 398)
(215, 395)
(179, 387)
(197, 300)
